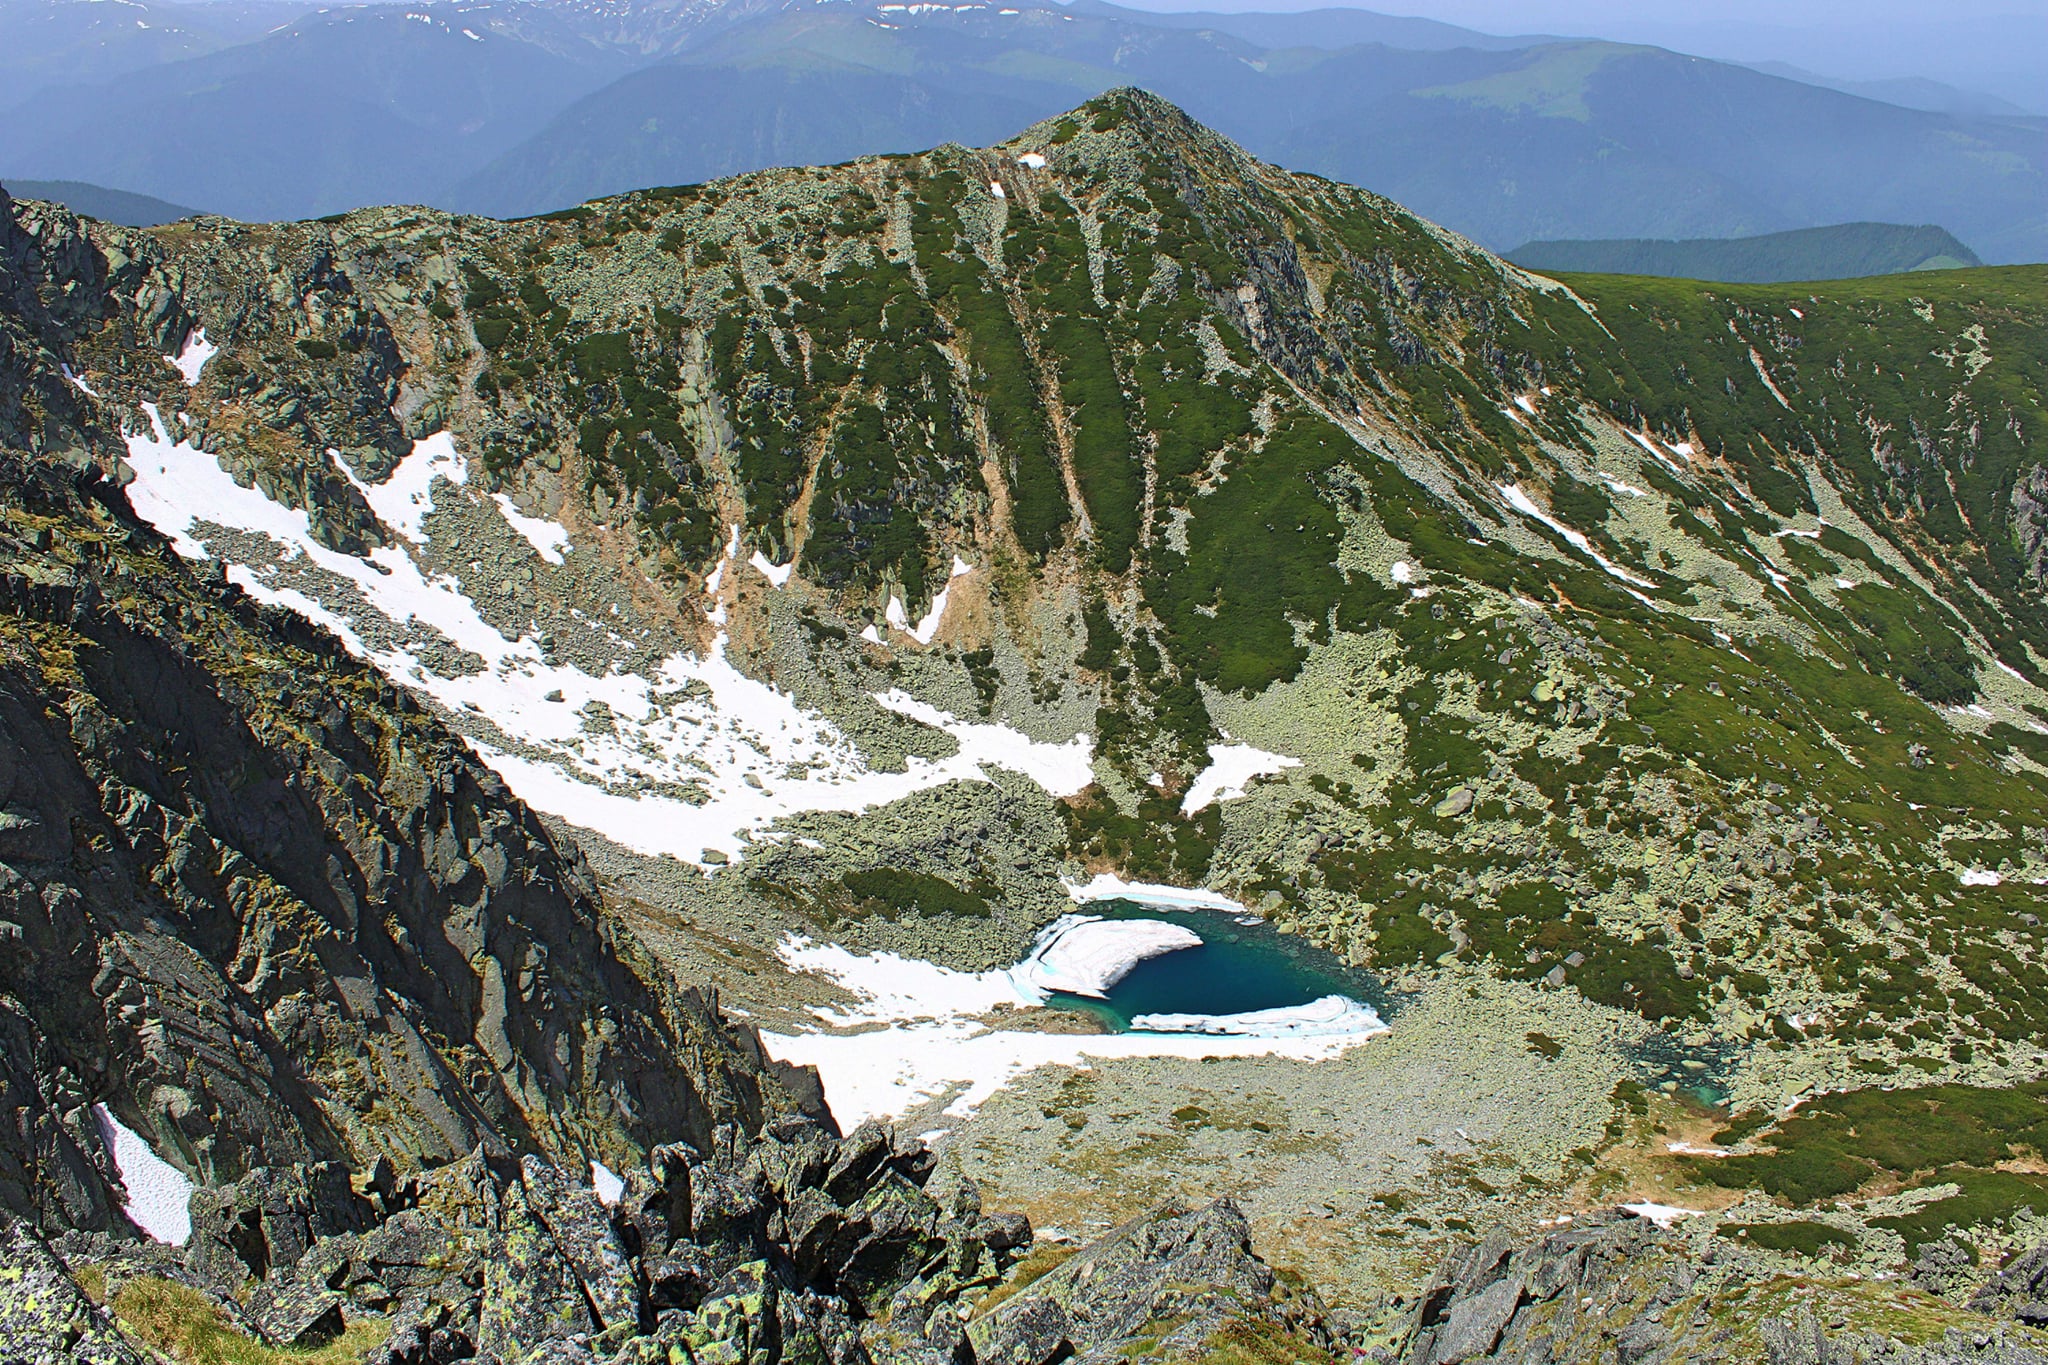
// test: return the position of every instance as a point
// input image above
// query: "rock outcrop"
(1178, 1280)
(790, 1246)
(1619, 1288)
(252, 898)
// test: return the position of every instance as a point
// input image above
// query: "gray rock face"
(1196, 1270)
(2018, 1291)
(1618, 1288)
(253, 899)
(44, 1318)
(789, 1246)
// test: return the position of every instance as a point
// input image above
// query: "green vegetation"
(890, 892)
(1838, 252)
(1927, 1136)
(184, 1325)
(1805, 1239)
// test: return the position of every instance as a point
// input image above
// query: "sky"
(1998, 47)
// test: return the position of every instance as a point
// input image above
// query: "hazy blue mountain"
(1842, 252)
(514, 107)
(97, 201)
(1321, 28)
(63, 42)
(1556, 140)
(364, 105)
(1911, 92)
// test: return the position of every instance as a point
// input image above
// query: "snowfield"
(1231, 770)
(696, 759)
(158, 1192)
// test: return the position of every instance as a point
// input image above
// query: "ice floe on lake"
(1333, 1016)
(1086, 955)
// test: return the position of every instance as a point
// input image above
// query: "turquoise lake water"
(1238, 968)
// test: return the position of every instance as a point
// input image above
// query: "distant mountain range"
(1843, 252)
(510, 107)
(97, 201)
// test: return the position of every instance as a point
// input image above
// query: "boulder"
(45, 1319)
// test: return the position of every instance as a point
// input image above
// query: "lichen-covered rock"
(45, 1319)
(1193, 1269)
(2019, 1290)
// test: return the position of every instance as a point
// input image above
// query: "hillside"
(1637, 679)
(97, 201)
(1849, 251)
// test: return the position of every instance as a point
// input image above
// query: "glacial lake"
(1239, 968)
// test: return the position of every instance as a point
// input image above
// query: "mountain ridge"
(1845, 251)
(1640, 677)
(548, 106)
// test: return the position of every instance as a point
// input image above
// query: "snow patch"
(158, 1194)
(1519, 500)
(776, 575)
(403, 501)
(1980, 877)
(1231, 769)
(83, 387)
(995, 187)
(1651, 446)
(1618, 486)
(607, 1185)
(192, 356)
(548, 539)
(1402, 572)
(1033, 160)
(1062, 769)
(1663, 1215)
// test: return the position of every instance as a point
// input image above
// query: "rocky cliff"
(257, 903)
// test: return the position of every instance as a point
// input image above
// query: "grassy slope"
(1844, 251)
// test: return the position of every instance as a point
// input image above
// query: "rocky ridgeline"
(792, 1246)
(1618, 1288)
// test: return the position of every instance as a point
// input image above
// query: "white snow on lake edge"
(158, 1193)
(932, 1040)
(1107, 886)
